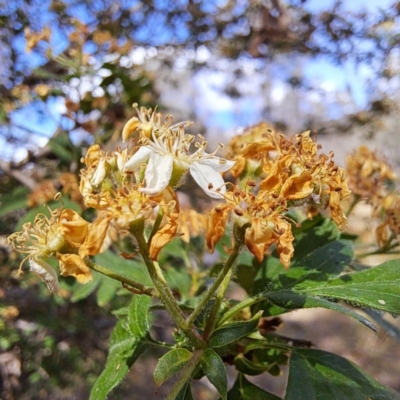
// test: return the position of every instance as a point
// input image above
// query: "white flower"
(168, 158)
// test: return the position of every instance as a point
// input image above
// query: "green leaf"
(302, 284)
(138, 315)
(62, 147)
(388, 326)
(249, 367)
(185, 393)
(259, 357)
(172, 249)
(329, 259)
(313, 234)
(319, 375)
(106, 290)
(291, 300)
(123, 352)
(126, 345)
(214, 368)
(377, 287)
(170, 363)
(180, 281)
(245, 275)
(132, 268)
(80, 292)
(318, 266)
(245, 390)
(229, 333)
(13, 201)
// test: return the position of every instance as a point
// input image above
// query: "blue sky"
(224, 113)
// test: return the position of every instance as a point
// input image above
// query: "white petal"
(100, 173)
(120, 158)
(206, 176)
(215, 162)
(140, 157)
(46, 272)
(158, 173)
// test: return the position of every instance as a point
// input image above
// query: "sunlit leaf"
(126, 345)
(377, 287)
(124, 350)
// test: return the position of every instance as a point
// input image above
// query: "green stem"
(186, 374)
(212, 319)
(243, 304)
(353, 204)
(158, 345)
(159, 282)
(221, 276)
(384, 250)
(157, 224)
(143, 289)
(164, 291)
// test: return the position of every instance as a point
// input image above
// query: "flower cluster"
(261, 216)
(134, 187)
(371, 178)
(368, 175)
(282, 173)
(137, 184)
(65, 236)
(46, 190)
(128, 188)
(166, 151)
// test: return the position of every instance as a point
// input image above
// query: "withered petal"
(73, 265)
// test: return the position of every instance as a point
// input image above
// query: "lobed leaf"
(313, 234)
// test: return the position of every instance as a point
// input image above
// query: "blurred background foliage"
(69, 74)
